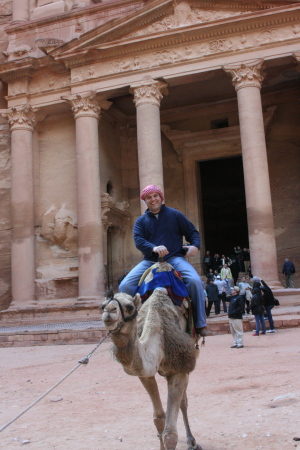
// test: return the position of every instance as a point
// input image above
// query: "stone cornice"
(219, 30)
(20, 118)
(246, 74)
(296, 55)
(25, 67)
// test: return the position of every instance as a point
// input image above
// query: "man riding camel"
(158, 233)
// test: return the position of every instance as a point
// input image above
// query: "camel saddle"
(163, 275)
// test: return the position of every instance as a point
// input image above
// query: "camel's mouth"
(109, 323)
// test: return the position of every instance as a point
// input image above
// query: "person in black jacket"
(235, 316)
(269, 304)
(257, 308)
(213, 297)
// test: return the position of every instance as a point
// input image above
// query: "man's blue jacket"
(168, 230)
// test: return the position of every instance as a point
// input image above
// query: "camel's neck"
(141, 352)
(126, 349)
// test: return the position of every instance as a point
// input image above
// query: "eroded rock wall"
(5, 173)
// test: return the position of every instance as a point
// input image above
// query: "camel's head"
(119, 309)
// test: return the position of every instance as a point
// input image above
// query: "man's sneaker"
(233, 346)
(262, 332)
(271, 331)
(255, 334)
(239, 346)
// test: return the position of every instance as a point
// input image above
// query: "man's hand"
(192, 250)
(161, 250)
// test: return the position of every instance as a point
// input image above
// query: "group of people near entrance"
(257, 298)
(159, 233)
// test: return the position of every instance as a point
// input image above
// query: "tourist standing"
(269, 304)
(244, 286)
(207, 261)
(221, 291)
(246, 258)
(288, 270)
(226, 275)
(212, 297)
(235, 316)
(257, 308)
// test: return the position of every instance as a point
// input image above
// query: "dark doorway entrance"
(224, 205)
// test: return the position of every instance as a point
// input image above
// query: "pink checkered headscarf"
(150, 190)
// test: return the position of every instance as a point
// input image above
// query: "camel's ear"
(136, 300)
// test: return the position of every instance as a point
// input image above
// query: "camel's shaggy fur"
(154, 342)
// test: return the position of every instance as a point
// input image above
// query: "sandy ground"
(238, 398)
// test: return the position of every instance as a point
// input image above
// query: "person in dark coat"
(210, 275)
(212, 297)
(288, 270)
(257, 308)
(207, 261)
(235, 316)
(269, 304)
(235, 270)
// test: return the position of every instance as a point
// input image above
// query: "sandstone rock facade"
(99, 99)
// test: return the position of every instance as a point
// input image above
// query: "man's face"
(153, 202)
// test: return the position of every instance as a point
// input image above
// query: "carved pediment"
(158, 17)
(185, 15)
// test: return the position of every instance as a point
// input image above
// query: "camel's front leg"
(151, 387)
(177, 385)
(192, 445)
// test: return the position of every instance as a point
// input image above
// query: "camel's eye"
(130, 308)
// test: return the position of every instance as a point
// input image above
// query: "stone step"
(90, 332)
(86, 332)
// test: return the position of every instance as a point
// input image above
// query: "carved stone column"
(247, 78)
(20, 11)
(22, 122)
(147, 98)
(86, 109)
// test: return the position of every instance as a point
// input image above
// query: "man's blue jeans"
(190, 277)
(270, 317)
(259, 318)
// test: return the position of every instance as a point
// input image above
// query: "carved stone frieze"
(177, 54)
(52, 81)
(246, 74)
(20, 118)
(16, 52)
(18, 87)
(148, 92)
(87, 105)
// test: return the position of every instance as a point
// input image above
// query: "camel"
(149, 340)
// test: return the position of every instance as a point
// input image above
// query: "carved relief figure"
(60, 227)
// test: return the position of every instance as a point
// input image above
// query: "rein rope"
(84, 361)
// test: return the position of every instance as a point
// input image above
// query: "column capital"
(20, 117)
(148, 92)
(296, 55)
(246, 74)
(87, 104)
